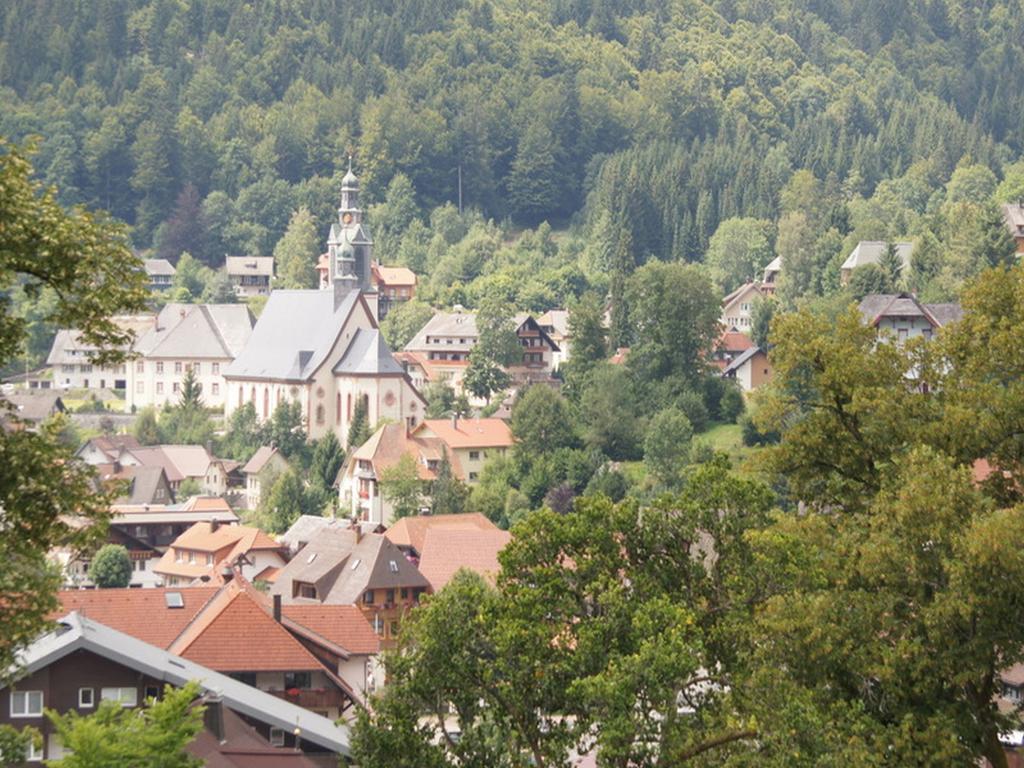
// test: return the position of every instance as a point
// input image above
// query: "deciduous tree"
(111, 567)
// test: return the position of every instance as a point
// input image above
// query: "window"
(304, 589)
(159, 387)
(368, 597)
(34, 754)
(474, 455)
(393, 567)
(390, 596)
(176, 387)
(174, 600)
(140, 565)
(140, 366)
(85, 698)
(192, 558)
(249, 678)
(319, 414)
(159, 367)
(177, 367)
(85, 368)
(277, 737)
(393, 629)
(472, 476)
(26, 703)
(126, 697)
(215, 388)
(140, 387)
(298, 680)
(404, 592)
(197, 368)
(209, 559)
(180, 556)
(152, 691)
(215, 369)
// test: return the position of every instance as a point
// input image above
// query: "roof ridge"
(205, 309)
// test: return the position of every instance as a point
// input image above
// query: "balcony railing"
(311, 698)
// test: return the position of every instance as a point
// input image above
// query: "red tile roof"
(447, 550)
(469, 433)
(236, 633)
(411, 531)
(343, 625)
(141, 613)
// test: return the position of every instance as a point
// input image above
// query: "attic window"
(311, 558)
(173, 600)
(355, 563)
(393, 566)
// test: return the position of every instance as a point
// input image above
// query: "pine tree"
(296, 253)
(191, 391)
(892, 265)
(996, 247)
(359, 428)
(447, 492)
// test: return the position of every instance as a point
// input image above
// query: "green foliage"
(541, 422)
(448, 494)
(402, 487)
(996, 247)
(15, 743)
(243, 435)
(589, 340)
(145, 427)
(404, 321)
(191, 397)
(188, 488)
(892, 266)
(738, 252)
(359, 428)
(48, 497)
(191, 279)
(609, 412)
(296, 253)
(328, 456)
(667, 445)
(869, 279)
(287, 500)
(484, 377)
(285, 431)
(111, 567)
(113, 735)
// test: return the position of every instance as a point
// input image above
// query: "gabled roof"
(460, 325)
(162, 267)
(447, 550)
(870, 251)
(111, 445)
(68, 346)
(557, 320)
(259, 460)
(242, 746)
(191, 331)
(740, 361)
(876, 306)
(227, 543)
(178, 461)
(142, 613)
(80, 633)
(35, 406)
(386, 447)
(307, 527)
(221, 636)
(469, 433)
(744, 289)
(295, 333)
(368, 355)
(143, 484)
(343, 564)
(343, 625)
(411, 532)
(249, 265)
(733, 341)
(394, 275)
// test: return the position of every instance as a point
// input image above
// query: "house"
(448, 550)
(730, 345)
(71, 358)
(448, 337)
(202, 338)
(467, 443)
(158, 525)
(751, 369)
(204, 550)
(106, 449)
(770, 278)
(145, 485)
(84, 661)
(349, 567)
(870, 252)
(260, 472)
(160, 273)
(250, 275)
(1013, 213)
(903, 316)
(394, 286)
(308, 527)
(30, 407)
(74, 564)
(409, 534)
(738, 307)
(183, 462)
(555, 323)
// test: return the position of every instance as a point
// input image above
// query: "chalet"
(71, 358)
(180, 463)
(730, 345)
(770, 279)
(160, 273)
(1013, 214)
(738, 307)
(904, 317)
(394, 286)
(250, 275)
(84, 661)
(870, 252)
(201, 338)
(348, 567)
(555, 323)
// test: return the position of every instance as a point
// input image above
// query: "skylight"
(174, 600)
(311, 558)
(393, 566)
(355, 563)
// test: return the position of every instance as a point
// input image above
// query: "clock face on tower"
(346, 218)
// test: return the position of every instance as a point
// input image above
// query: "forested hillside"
(642, 123)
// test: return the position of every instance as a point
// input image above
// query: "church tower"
(349, 247)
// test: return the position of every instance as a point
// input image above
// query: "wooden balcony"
(312, 698)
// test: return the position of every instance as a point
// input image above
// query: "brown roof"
(412, 531)
(235, 633)
(141, 613)
(447, 550)
(259, 460)
(226, 544)
(343, 625)
(394, 275)
(205, 504)
(385, 448)
(243, 747)
(469, 433)
(619, 358)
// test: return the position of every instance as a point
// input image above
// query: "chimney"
(214, 524)
(277, 608)
(455, 419)
(213, 716)
(227, 574)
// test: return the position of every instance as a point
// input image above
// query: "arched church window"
(337, 408)
(320, 414)
(348, 407)
(266, 403)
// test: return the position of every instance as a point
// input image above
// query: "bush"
(112, 567)
(731, 405)
(752, 436)
(610, 483)
(692, 404)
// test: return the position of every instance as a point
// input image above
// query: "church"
(322, 347)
